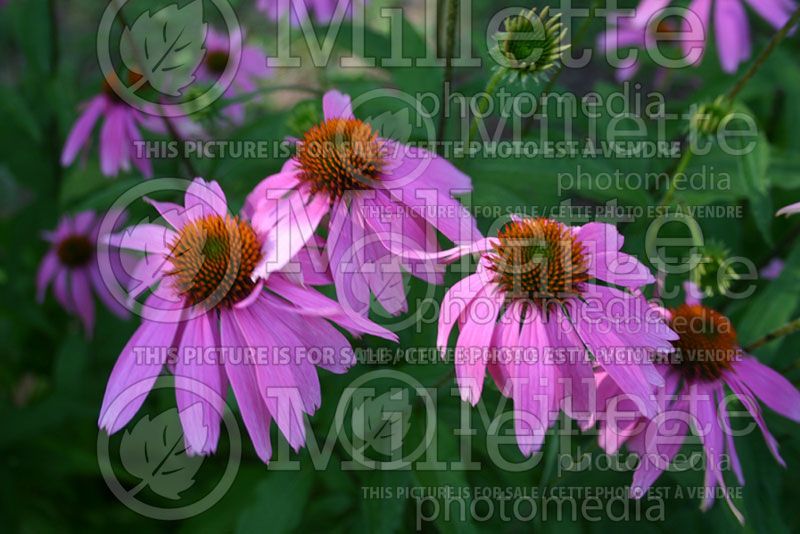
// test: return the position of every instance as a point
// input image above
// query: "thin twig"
(762, 57)
(450, 43)
(785, 330)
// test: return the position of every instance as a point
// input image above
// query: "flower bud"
(714, 274)
(708, 117)
(531, 44)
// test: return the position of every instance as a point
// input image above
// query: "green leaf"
(773, 307)
(381, 422)
(15, 108)
(753, 172)
(154, 451)
(279, 504)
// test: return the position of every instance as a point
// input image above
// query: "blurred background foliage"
(52, 378)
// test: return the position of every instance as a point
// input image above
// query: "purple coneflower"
(118, 133)
(384, 200)
(708, 358)
(225, 324)
(542, 294)
(71, 266)
(252, 68)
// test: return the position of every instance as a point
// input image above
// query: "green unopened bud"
(714, 274)
(303, 117)
(708, 117)
(531, 44)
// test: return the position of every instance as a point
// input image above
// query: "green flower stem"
(785, 330)
(491, 86)
(450, 43)
(673, 183)
(762, 57)
(246, 97)
(579, 37)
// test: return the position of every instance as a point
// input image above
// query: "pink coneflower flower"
(252, 69)
(118, 133)
(254, 332)
(791, 209)
(542, 294)
(708, 358)
(71, 266)
(731, 28)
(318, 10)
(384, 200)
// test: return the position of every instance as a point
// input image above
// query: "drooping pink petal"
(407, 185)
(453, 305)
(82, 297)
(62, 292)
(771, 387)
(82, 129)
(308, 301)
(345, 251)
(290, 332)
(242, 376)
(136, 370)
(657, 445)
(199, 378)
(115, 305)
(732, 33)
(475, 340)
(776, 12)
(47, 271)
(142, 163)
(711, 435)
(534, 388)
(749, 401)
(695, 28)
(114, 141)
(276, 382)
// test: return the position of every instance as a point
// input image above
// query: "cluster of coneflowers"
(556, 314)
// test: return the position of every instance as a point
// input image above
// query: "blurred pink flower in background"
(708, 359)
(119, 131)
(318, 10)
(71, 266)
(633, 32)
(252, 68)
(543, 292)
(226, 323)
(731, 29)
